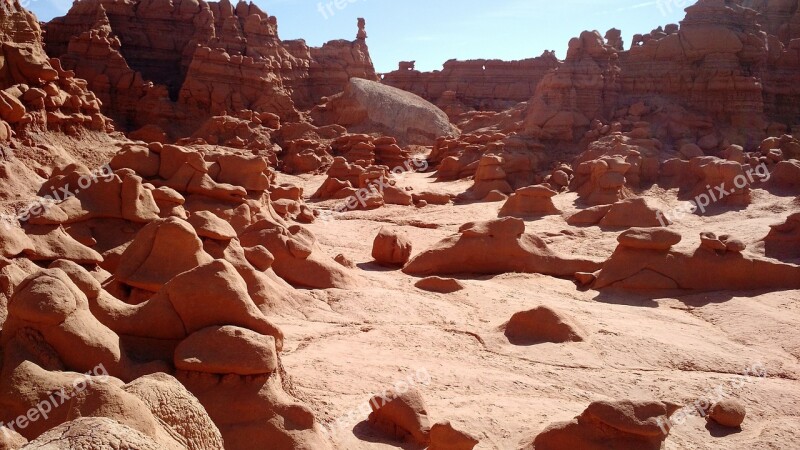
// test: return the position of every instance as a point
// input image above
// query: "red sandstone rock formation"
(783, 240)
(640, 266)
(530, 201)
(623, 425)
(495, 247)
(541, 325)
(35, 92)
(119, 48)
(391, 248)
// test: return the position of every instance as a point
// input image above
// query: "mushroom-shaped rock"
(223, 300)
(162, 249)
(49, 243)
(728, 413)
(530, 201)
(298, 259)
(227, 350)
(541, 325)
(401, 415)
(391, 248)
(622, 425)
(50, 303)
(632, 267)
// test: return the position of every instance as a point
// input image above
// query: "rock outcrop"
(541, 325)
(36, 93)
(495, 247)
(644, 263)
(401, 415)
(783, 240)
(622, 425)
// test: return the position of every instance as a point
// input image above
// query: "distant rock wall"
(477, 84)
(727, 63)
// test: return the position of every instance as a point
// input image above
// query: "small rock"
(541, 325)
(728, 413)
(710, 241)
(440, 285)
(391, 248)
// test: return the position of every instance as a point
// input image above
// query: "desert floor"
(348, 345)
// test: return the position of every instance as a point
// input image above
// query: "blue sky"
(433, 31)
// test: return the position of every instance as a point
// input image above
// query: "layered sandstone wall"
(477, 84)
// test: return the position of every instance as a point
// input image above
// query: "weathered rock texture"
(219, 58)
(35, 92)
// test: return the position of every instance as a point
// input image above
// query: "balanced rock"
(649, 238)
(368, 105)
